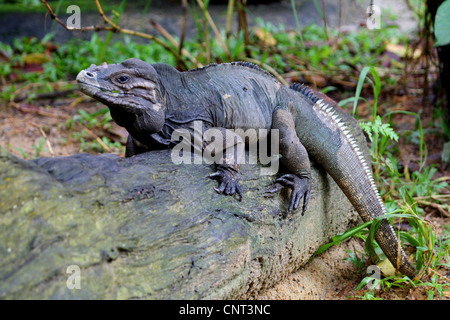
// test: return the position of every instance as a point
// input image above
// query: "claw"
(285, 182)
(305, 201)
(221, 188)
(301, 188)
(276, 187)
(239, 192)
(228, 182)
(230, 189)
(215, 175)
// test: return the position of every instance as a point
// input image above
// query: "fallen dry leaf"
(266, 37)
(403, 51)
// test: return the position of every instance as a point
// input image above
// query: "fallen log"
(106, 227)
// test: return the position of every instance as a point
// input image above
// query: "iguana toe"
(301, 188)
(228, 181)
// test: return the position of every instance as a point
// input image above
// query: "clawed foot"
(228, 181)
(301, 188)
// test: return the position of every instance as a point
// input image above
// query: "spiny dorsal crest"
(305, 90)
(346, 132)
(250, 65)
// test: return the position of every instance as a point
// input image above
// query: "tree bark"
(443, 55)
(144, 227)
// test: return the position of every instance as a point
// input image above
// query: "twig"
(50, 95)
(436, 196)
(441, 208)
(47, 141)
(37, 110)
(243, 25)
(268, 68)
(111, 23)
(436, 206)
(440, 275)
(115, 28)
(214, 28)
(230, 10)
(171, 39)
(340, 17)
(206, 35)
(183, 25)
(325, 20)
(77, 101)
(93, 135)
(53, 15)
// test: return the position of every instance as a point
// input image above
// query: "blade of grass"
(376, 84)
(297, 22)
(183, 25)
(318, 9)
(342, 103)
(423, 151)
(109, 34)
(359, 85)
(205, 32)
(376, 90)
(341, 237)
(230, 10)
(213, 27)
(144, 12)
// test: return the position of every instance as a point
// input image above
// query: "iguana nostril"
(89, 74)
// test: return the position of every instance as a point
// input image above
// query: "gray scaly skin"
(153, 100)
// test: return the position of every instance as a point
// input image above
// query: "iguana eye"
(122, 79)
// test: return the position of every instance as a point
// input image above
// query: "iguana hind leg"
(295, 158)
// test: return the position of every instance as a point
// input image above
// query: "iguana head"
(130, 89)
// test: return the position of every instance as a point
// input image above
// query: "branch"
(268, 68)
(214, 28)
(115, 28)
(167, 35)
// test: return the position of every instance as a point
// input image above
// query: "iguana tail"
(335, 140)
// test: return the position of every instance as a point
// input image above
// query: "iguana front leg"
(134, 147)
(295, 158)
(225, 148)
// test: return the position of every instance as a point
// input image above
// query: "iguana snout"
(130, 89)
(87, 80)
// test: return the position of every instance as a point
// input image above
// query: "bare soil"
(23, 126)
(332, 276)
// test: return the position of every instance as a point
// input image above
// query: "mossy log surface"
(146, 228)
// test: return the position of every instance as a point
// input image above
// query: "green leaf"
(410, 239)
(361, 78)
(341, 237)
(369, 245)
(342, 103)
(376, 86)
(442, 24)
